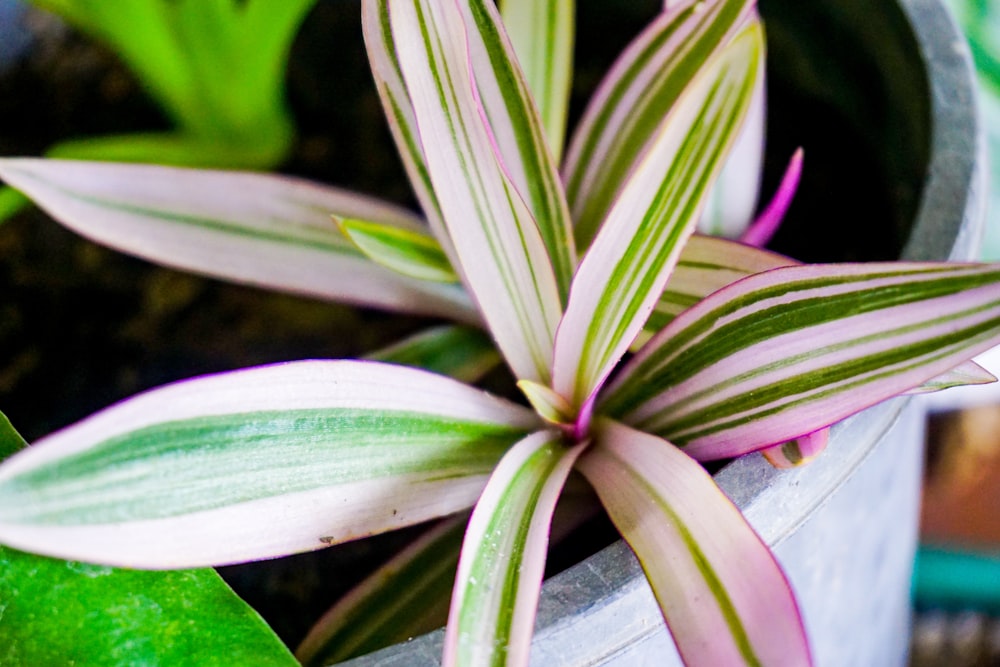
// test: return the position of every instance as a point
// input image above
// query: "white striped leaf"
(265, 230)
(790, 351)
(542, 33)
(627, 267)
(412, 253)
(722, 594)
(516, 128)
(404, 598)
(459, 352)
(637, 93)
(255, 464)
(503, 556)
(398, 111)
(501, 253)
(706, 265)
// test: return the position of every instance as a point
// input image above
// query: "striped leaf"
(963, 375)
(458, 352)
(516, 128)
(501, 253)
(398, 111)
(637, 93)
(790, 351)
(503, 556)
(256, 463)
(412, 253)
(706, 265)
(722, 594)
(404, 598)
(265, 230)
(626, 269)
(542, 33)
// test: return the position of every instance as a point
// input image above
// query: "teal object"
(955, 580)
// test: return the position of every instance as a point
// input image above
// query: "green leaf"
(542, 34)
(503, 555)
(458, 352)
(404, 598)
(630, 261)
(62, 612)
(257, 463)
(266, 230)
(68, 613)
(412, 253)
(502, 255)
(642, 86)
(722, 593)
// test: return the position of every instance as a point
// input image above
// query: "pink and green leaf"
(542, 33)
(722, 594)
(509, 111)
(502, 255)
(629, 263)
(637, 93)
(265, 230)
(257, 463)
(459, 352)
(790, 351)
(404, 598)
(503, 556)
(963, 375)
(706, 265)
(409, 252)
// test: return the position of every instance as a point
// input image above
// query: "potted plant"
(523, 287)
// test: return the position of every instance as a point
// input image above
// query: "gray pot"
(845, 526)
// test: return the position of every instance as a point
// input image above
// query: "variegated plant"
(736, 349)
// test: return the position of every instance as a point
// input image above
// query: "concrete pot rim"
(583, 601)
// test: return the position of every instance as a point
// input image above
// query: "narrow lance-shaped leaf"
(637, 93)
(626, 269)
(503, 555)
(56, 612)
(542, 33)
(706, 265)
(722, 594)
(787, 352)
(508, 110)
(963, 375)
(502, 256)
(459, 352)
(412, 253)
(256, 463)
(398, 110)
(766, 225)
(271, 231)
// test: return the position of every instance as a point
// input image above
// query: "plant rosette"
(641, 348)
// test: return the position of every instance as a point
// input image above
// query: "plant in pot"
(280, 459)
